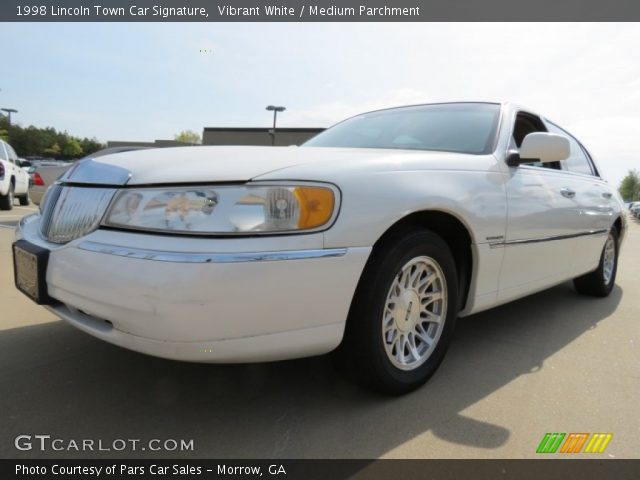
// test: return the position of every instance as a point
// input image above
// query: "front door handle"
(567, 192)
(607, 195)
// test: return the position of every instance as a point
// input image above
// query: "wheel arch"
(620, 224)
(453, 230)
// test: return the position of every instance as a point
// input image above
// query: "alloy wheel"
(414, 313)
(609, 259)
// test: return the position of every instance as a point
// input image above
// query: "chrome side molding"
(196, 257)
(510, 243)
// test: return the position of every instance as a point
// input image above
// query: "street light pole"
(9, 112)
(275, 110)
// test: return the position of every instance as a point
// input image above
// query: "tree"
(188, 136)
(90, 145)
(71, 148)
(630, 186)
(52, 150)
(33, 141)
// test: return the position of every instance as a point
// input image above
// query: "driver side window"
(525, 124)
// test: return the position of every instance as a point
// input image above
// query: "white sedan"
(374, 236)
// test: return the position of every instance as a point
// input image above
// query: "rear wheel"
(403, 314)
(25, 199)
(6, 201)
(599, 283)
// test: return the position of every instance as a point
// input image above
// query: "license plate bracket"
(30, 271)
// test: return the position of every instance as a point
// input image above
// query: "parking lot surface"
(553, 362)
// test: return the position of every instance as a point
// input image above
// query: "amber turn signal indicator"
(316, 206)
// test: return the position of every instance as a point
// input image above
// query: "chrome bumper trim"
(196, 257)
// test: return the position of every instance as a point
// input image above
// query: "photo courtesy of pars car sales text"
(122, 469)
(115, 469)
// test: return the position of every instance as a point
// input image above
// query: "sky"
(147, 81)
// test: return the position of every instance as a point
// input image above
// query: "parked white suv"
(14, 181)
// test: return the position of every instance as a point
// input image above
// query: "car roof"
(426, 104)
(504, 105)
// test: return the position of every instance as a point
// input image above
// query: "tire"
(600, 282)
(6, 201)
(25, 200)
(386, 362)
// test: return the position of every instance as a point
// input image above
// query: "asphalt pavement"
(552, 362)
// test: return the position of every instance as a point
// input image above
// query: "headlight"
(249, 209)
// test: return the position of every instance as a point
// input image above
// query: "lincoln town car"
(370, 239)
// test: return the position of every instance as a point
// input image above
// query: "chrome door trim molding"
(201, 257)
(510, 243)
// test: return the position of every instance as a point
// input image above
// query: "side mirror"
(541, 147)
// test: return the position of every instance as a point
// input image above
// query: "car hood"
(223, 163)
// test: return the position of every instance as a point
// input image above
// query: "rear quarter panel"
(5, 179)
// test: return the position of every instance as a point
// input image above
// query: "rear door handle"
(567, 192)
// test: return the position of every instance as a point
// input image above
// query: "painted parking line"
(28, 209)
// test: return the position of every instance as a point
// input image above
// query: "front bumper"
(252, 299)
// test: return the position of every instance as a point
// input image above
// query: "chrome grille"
(46, 207)
(71, 212)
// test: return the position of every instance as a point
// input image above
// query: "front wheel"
(599, 283)
(403, 314)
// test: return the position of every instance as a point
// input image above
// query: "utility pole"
(9, 112)
(275, 110)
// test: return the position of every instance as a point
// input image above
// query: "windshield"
(447, 127)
